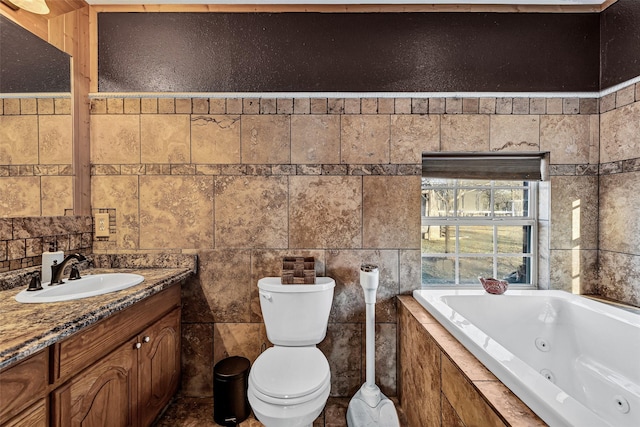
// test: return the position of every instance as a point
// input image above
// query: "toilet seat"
(290, 375)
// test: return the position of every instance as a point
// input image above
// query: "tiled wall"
(619, 199)
(243, 182)
(22, 240)
(36, 172)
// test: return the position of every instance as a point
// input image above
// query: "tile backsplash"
(22, 240)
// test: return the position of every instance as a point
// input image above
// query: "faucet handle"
(35, 284)
(75, 273)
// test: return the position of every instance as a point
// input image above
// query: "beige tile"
(465, 133)
(251, 212)
(420, 374)
(566, 137)
(391, 212)
(12, 106)
(215, 139)
(410, 271)
(619, 133)
(265, 139)
(574, 212)
(619, 207)
(385, 357)
(150, 105)
(301, 106)
(131, 106)
(18, 140)
(20, 196)
(45, 106)
(625, 96)
(620, 277)
(217, 105)
(165, 139)
(325, 212)
(56, 195)
(554, 105)
(182, 105)
(365, 139)
(251, 106)
(115, 139)
(225, 278)
(119, 193)
(197, 359)
(176, 212)
(402, 105)
(449, 416)
(342, 346)
(411, 135)
(507, 404)
(574, 270)
(514, 133)
(315, 139)
(452, 348)
(487, 106)
(386, 105)
(115, 105)
(56, 139)
(168, 105)
(348, 301)
(318, 105)
(62, 105)
(408, 304)
(464, 399)
(238, 339)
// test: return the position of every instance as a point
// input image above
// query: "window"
(475, 227)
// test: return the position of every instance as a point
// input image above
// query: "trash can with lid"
(230, 383)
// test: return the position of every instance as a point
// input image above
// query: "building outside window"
(476, 227)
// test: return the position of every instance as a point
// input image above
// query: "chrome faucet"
(57, 269)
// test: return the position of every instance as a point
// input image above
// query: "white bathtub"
(574, 361)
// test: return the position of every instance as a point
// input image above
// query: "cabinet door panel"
(81, 349)
(159, 366)
(102, 395)
(35, 416)
(23, 383)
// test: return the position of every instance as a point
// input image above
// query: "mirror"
(36, 135)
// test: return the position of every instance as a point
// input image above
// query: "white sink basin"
(88, 286)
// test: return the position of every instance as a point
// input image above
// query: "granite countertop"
(27, 328)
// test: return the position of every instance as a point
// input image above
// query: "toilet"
(289, 383)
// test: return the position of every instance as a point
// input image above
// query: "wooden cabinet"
(159, 366)
(102, 395)
(34, 416)
(119, 372)
(20, 386)
(128, 387)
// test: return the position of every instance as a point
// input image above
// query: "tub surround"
(442, 384)
(28, 328)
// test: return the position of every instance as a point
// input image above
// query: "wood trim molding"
(353, 8)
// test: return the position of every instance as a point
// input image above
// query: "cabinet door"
(34, 416)
(101, 395)
(159, 366)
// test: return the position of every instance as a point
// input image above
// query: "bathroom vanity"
(114, 356)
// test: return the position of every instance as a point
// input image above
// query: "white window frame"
(493, 221)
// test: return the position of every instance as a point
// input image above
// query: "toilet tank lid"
(274, 284)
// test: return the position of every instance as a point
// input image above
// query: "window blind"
(493, 166)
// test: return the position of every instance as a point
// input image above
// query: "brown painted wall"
(403, 52)
(620, 42)
(29, 64)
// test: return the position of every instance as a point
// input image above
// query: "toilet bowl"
(289, 386)
(289, 383)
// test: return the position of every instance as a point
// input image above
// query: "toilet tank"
(296, 315)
